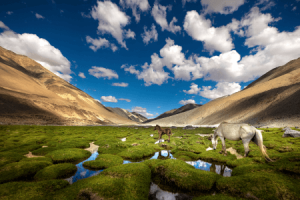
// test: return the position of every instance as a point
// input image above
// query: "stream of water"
(164, 154)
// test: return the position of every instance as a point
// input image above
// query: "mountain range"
(271, 100)
(31, 94)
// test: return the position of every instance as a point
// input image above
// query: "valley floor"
(61, 147)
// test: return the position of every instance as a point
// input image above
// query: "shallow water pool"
(164, 154)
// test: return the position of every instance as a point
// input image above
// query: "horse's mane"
(158, 127)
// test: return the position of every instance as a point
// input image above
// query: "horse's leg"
(223, 146)
(246, 146)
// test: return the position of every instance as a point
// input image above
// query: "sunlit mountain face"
(150, 57)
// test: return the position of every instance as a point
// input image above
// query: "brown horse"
(161, 131)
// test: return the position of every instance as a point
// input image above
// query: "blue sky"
(154, 56)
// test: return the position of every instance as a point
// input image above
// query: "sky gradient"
(154, 56)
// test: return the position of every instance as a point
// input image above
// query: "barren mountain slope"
(272, 100)
(31, 94)
(175, 111)
(129, 115)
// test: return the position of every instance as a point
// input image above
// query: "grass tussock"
(68, 155)
(57, 171)
(104, 161)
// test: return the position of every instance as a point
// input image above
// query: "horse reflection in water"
(219, 169)
(163, 156)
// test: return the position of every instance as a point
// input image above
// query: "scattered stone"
(233, 151)
(29, 155)
(151, 135)
(290, 133)
(123, 139)
(189, 127)
(209, 149)
(135, 144)
(159, 141)
(44, 146)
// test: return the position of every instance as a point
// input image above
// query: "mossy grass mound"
(246, 169)
(139, 152)
(104, 161)
(215, 156)
(34, 159)
(288, 163)
(21, 170)
(260, 185)
(239, 162)
(128, 182)
(74, 143)
(9, 157)
(113, 148)
(68, 155)
(56, 171)
(184, 176)
(185, 156)
(44, 151)
(217, 197)
(31, 190)
(152, 164)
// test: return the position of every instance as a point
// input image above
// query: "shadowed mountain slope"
(271, 100)
(31, 94)
(175, 111)
(129, 115)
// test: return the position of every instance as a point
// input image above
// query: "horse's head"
(214, 141)
(156, 128)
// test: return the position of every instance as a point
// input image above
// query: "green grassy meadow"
(42, 177)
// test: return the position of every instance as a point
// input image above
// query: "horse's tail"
(259, 142)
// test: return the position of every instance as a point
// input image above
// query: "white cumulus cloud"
(38, 49)
(184, 102)
(99, 72)
(131, 69)
(174, 60)
(98, 43)
(136, 6)
(221, 89)
(159, 14)
(109, 99)
(142, 111)
(38, 16)
(120, 84)
(149, 35)
(222, 7)
(122, 99)
(214, 39)
(81, 75)
(3, 26)
(111, 20)
(194, 89)
(184, 2)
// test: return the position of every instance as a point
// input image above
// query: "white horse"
(235, 132)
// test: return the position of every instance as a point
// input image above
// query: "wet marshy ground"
(83, 172)
(137, 168)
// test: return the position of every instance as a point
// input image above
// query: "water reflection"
(158, 194)
(212, 167)
(83, 172)
(199, 164)
(162, 155)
